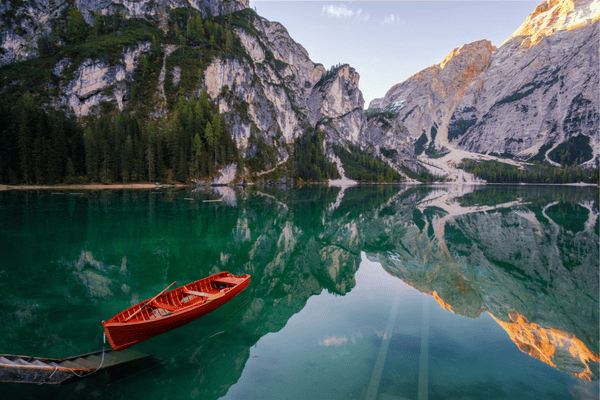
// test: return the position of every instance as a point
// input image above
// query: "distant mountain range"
(535, 98)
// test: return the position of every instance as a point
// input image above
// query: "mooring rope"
(75, 373)
(44, 381)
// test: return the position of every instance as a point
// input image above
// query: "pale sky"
(388, 41)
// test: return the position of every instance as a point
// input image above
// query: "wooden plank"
(72, 365)
(199, 294)
(87, 363)
(228, 281)
(164, 306)
(6, 361)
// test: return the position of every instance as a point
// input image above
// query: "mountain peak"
(553, 16)
(468, 52)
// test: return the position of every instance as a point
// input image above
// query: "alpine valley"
(209, 91)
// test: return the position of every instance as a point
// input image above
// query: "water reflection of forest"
(527, 255)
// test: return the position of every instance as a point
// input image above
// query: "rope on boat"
(75, 373)
(44, 381)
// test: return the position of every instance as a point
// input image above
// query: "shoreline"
(119, 186)
(145, 186)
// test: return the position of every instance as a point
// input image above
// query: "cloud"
(392, 20)
(343, 12)
(337, 11)
(361, 17)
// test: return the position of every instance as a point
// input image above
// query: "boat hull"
(124, 334)
(50, 371)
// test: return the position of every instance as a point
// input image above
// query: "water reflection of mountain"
(527, 255)
(127, 246)
(531, 262)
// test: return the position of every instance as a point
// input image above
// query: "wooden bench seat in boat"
(199, 294)
(164, 306)
(228, 280)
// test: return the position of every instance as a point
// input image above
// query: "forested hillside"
(39, 144)
(113, 91)
(129, 99)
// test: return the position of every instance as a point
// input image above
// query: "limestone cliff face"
(536, 91)
(388, 139)
(419, 109)
(541, 88)
(92, 77)
(269, 93)
(272, 85)
(283, 92)
(428, 99)
(336, 106)
(22, 23)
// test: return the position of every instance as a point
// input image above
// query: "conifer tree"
(128, 165)
(70, 172)
(209, 133)
(229, 42)
(76, 26)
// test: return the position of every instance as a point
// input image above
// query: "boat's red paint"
(182, 305)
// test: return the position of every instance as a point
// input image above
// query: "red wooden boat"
(172, 309)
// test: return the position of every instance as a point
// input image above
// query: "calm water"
(374, 292)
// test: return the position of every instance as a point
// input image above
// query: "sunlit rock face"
(516, 260)
(537, 90)
(428, 99)
(556, 348)
(541, 87)
(553, 16)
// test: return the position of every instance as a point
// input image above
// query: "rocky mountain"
(140, 57)
(24, 21)
(282, 116)
(534, 97)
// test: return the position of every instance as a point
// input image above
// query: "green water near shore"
(318, 319)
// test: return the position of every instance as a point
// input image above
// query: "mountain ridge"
(277, 106)
(535, 97)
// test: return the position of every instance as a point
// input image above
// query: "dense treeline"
(498, 172)
(574, 151)
(310, 161)
(39, 147)
(423, 175)
(44, 146)
(361, 166)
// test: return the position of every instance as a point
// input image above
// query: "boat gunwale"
(45, 367)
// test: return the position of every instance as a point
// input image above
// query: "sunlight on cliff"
(556, 348)
(554, 16)
(441, 302)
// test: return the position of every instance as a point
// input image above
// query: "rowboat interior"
(178, 300)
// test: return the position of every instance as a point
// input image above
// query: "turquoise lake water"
(368, 292)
